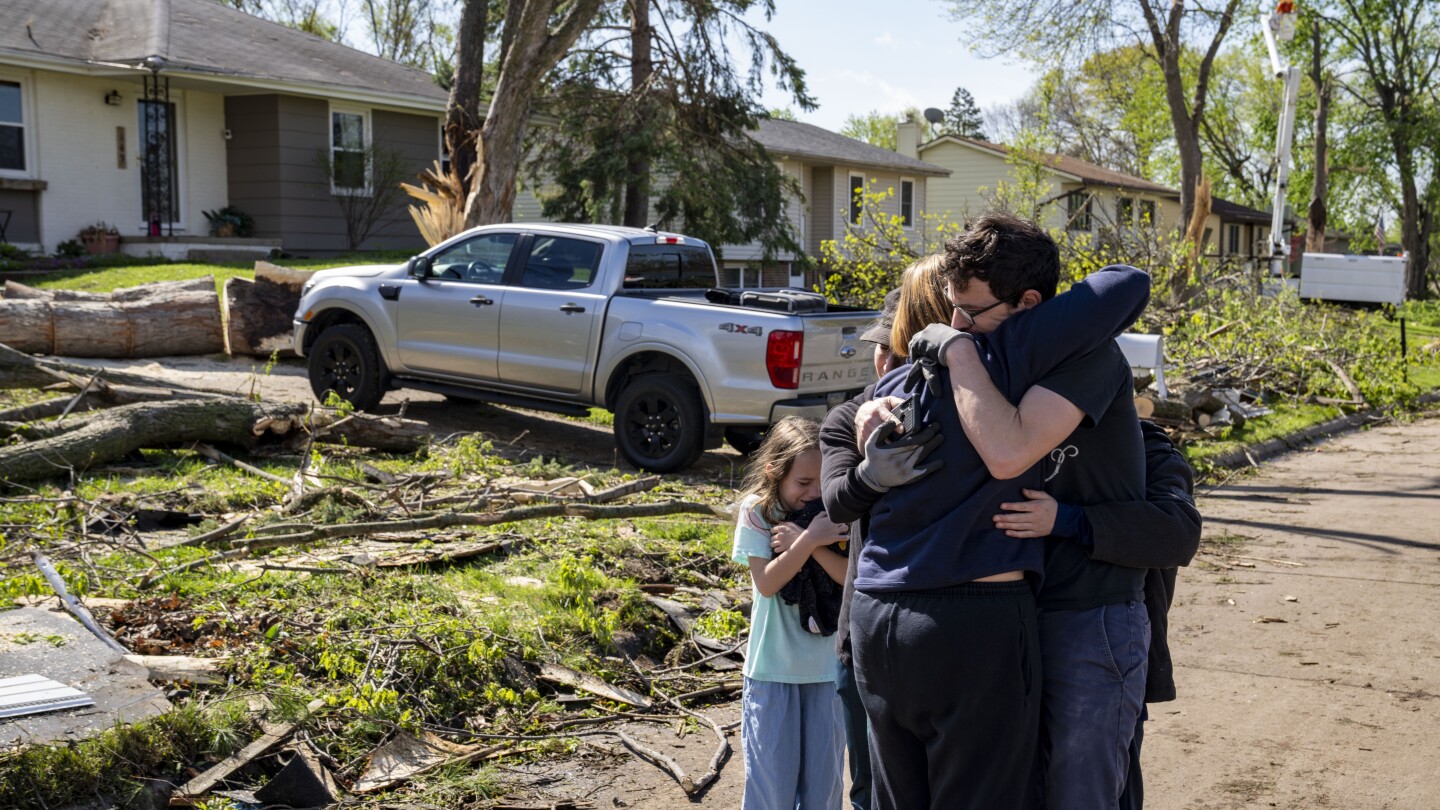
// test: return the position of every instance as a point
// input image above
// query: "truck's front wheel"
(344, 360)
(659, 424)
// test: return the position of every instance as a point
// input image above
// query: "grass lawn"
(105, 279)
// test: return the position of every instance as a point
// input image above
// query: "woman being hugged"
(792, 735)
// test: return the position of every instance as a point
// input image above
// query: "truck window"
(558, 263)
(669, 267)
(481, 259)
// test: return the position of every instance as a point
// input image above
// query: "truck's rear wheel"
(344, 360)
(659, 423)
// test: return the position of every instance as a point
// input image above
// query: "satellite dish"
(934, 116)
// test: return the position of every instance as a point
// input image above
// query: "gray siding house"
(146, 113)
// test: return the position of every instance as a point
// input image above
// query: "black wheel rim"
(341, 369)
(653, 426)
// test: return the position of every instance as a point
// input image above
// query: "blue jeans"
(793, 743)
(856, 738)
(1094, 665)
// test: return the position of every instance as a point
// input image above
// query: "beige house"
(1081, 198)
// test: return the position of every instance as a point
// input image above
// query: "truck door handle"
(571, 308)
(481, 301)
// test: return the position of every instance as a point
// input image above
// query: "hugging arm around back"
(1011, 438)
(1162, 531)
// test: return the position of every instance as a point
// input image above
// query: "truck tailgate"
(835, 359)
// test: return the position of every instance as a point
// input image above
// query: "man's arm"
(1163, 531)
(1010, 438)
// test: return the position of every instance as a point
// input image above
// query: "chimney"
(907, 138)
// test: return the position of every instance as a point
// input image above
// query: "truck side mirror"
(419, 267)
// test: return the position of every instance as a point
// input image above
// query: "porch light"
(113, 98)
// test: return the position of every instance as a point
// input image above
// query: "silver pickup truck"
(565, 317)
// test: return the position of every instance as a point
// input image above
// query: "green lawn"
(105, 279)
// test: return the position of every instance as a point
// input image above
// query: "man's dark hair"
(1010, 254)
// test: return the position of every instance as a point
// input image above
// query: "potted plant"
(229, 221)
(100, 238)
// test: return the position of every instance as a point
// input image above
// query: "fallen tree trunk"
(20, 370)
(154, 320)
(259, 314)
(57, 447)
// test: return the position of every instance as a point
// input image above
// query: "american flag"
(1379, 235)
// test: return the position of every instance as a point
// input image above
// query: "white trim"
(28, 123)
(367, 137)
(913, 213)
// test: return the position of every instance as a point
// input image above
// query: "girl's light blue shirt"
(780, 649)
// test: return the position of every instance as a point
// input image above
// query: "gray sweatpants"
(793, 741)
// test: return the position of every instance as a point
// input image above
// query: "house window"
(1125, 211)
(349, 137)
(857, 198)
(907, 203)
(12, 128)
(444, 151)
(1233, 232)
(1077, 211)
(1147, 213)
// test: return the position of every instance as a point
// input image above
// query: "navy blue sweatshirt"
(939, 531)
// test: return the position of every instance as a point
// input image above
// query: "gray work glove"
(927, 355)
(889, 464)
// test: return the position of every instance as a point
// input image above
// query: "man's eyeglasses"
(969, 316)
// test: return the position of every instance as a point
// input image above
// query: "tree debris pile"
(435, 609)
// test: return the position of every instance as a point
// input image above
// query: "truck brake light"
(669, 240)
(782, 358)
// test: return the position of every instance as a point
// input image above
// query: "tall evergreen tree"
(963, 118)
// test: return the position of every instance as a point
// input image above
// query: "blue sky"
(862, 55)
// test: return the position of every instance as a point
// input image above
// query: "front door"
(159, 181)
(547, 326)
(449, 323)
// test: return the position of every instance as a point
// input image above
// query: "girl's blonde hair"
(922, 302)
(785, 441)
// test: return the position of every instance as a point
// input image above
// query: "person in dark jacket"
(1159, 534)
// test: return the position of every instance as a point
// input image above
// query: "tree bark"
(259, 314)
(637, 167)
(19, 370)
(154, 320)
(462, 113)
(532, 50)
(1320, 190)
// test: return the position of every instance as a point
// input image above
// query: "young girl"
(791, 732)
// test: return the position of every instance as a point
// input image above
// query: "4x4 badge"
(736, 328)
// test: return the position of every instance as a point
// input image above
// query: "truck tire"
(659, 424)
(745, 440)
(344, 360)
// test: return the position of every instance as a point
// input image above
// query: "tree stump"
(153, 320)
(260, 314)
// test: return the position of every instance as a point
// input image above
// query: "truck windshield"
(669, 267)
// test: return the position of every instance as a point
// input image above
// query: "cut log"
(1163, 411)
(155, 320)
(259, 314)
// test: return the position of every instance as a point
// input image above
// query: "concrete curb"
(1255, 453)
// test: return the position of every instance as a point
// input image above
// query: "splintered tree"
(653, 120)
(536, 36)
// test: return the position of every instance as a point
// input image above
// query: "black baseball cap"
(879, 331)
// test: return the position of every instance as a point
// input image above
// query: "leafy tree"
(963, 118)
(1064, 32)
(654, 90)
(875, 128)
(1394, 48)
(782, 114)
(302, 15)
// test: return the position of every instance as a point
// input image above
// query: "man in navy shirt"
(946, 645)
(1078, 428)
